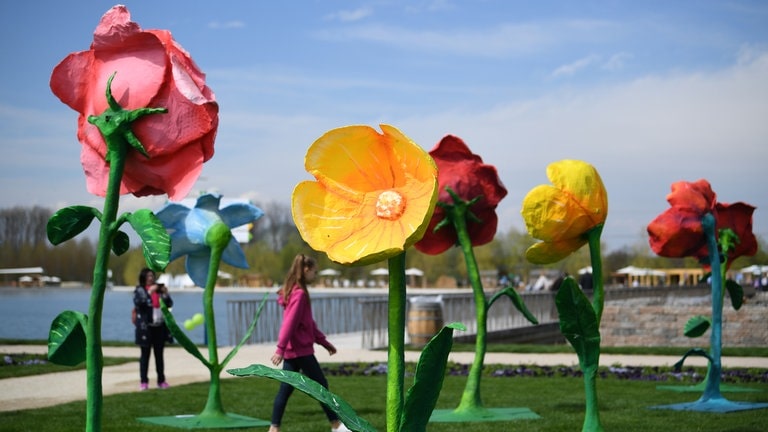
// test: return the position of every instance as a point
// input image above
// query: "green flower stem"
(471, 398)
(94, 357)
(592, 421)
(598, 291)
(216, 238)
(712, 388)
(396, 333)
(114, 124)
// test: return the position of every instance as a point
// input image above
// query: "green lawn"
(558, 400)
(24, 364)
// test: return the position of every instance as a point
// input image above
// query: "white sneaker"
(341, 428)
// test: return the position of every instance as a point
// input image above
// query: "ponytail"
(295, 277)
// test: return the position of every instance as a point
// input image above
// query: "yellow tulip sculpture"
(565, 216)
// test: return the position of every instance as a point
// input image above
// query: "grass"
(558, 400)
(24, 364)
(515, 348)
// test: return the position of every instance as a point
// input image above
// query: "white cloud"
(503, 40)
(616, 62)
(350, 15)
(574, 67)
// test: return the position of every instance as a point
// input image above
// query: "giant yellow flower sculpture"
(374, 195)
(562, 213)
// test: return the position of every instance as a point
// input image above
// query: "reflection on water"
(27, 313)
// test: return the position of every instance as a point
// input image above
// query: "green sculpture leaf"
(735, 292)
(66, 339)
(578, 322)
(180, 336)
(697, 326)
(69, 222)
(120, 243)
(156, 243)
(517, 301)
(300, 382)
(691, 352)
(248, 333)
(421, 398)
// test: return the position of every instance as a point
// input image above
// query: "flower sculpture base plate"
(718, 405)
(698, 388)
(482, 415)
(193, 421)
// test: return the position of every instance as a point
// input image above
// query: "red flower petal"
(466, 174)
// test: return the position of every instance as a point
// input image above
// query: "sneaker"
(163, 385)
(341, 428)
(143, 386)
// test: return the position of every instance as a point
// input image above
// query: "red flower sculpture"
(678, 232)
(465, 173)
(152, 70)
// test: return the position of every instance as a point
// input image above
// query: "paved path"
(181, 368)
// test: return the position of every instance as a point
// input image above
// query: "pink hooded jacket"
(298, 333)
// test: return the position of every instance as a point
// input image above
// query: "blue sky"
(648, 92)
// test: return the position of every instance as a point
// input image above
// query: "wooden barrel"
(425, 319)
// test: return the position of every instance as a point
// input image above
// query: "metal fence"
(367, 314)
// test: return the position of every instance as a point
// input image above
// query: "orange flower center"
(390, 205)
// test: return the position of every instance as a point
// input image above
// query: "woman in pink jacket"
(298, 334)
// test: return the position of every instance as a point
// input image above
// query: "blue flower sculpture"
(204, 235)
(192, 232)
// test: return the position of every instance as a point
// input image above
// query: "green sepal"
(300, 382)
(248, 333)
(155, 241)
(697, 326)
(517, 301)
(693, 351)
(69, 222)
(180, 336)
(735, 292)
(421, 398)
(120, 243)
(66, 339)
(578, 322)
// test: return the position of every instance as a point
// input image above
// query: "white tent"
(379, 272)
(639, 271)
(754, 269)
(329, 272)
(413, 272)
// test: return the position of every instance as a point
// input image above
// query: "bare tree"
(276, 226)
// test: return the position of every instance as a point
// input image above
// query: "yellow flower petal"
(550, 252)
(561, 214)
(372, 200)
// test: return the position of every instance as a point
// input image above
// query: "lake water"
(27, 313)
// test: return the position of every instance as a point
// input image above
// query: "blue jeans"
(309, 366)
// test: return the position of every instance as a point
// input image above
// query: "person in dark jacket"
(151, 330)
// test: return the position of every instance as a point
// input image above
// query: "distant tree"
(24, 226)
(276, 226)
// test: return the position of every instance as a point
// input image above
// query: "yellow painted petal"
(560, 214)
(338, 213)
(551, 214)
(551, 252)
(582, 181)
(352, 157)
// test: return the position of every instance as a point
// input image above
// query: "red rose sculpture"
(677, 232)
(465, 173)
(151, 70)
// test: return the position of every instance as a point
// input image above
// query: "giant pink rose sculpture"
(152, 70)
